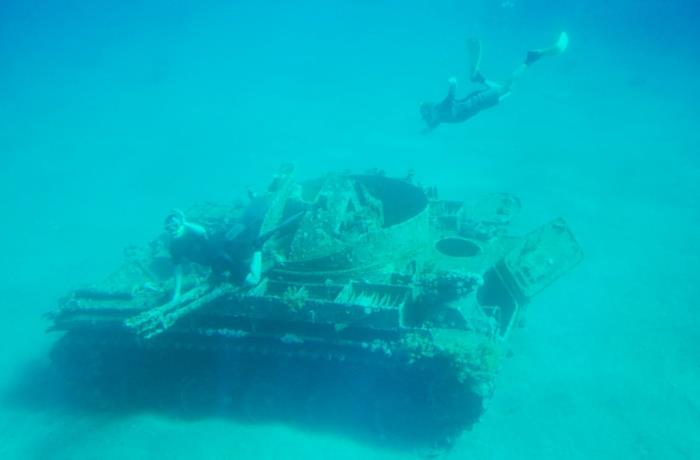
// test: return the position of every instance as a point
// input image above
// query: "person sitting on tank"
(234, 255)
(191, 242)
(456, 110)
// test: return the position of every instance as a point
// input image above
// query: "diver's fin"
(474, 50)
(562, 43)
(559, 47)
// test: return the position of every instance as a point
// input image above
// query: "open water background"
(112, 113)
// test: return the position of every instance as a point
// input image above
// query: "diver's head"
(175, 223)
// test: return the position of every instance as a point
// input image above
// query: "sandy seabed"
(606, 365)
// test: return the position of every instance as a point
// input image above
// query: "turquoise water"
(111, 115)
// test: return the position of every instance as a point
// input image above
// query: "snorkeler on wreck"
(456, 110)
(191, 242)
(235, 255)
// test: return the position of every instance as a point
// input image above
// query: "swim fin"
(554, 50)
(474, 50)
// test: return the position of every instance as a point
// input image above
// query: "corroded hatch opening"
(401, 200)
(457, 247)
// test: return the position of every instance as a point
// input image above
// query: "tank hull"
(382, 302)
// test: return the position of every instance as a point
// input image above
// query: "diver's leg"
(554, 50)
(475, 75)
(514, 76)
(474, 50)
(534, 56)
(255, 272)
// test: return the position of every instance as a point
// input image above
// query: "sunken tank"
(381, 305)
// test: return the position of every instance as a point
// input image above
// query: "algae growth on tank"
(363, 276)
(486, 247)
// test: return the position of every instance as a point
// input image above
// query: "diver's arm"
(446, 104)
(178, 284)
(451, 90)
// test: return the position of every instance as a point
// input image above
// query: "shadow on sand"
(387, 408)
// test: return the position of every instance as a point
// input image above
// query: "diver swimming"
(457, 110)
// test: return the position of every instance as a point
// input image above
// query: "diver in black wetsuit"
(456, 110)
(237, 253)
(191, 242)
